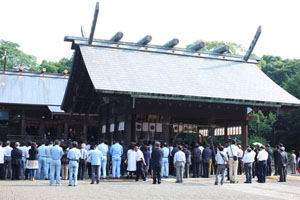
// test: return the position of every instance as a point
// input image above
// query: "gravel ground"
(127, 189)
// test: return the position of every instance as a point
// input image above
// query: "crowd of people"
(59, 160)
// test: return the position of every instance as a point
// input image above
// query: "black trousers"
(196, 169)
(262, 171)
(282, 173)
(81, 169)
(276, 167)
(139, 171)
(1, 171)
(240, 170)
(269, 168)
(205, 170)
(16, 172)
(89, 167)
(157, 174)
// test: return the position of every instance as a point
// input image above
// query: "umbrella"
(257, 143)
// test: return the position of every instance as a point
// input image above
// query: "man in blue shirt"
(104, 149)
(165, 161)
(48, 160)
(56, 153)
(42, 161)
(116, 152)
(73, 156)
(96, 157)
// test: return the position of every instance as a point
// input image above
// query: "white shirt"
(24, 150)
(220, 159)
(7, 151)
(139, 155)
(240, 153)
(201, 148)
(1, 155)
(180, 157)
(232, 150)
(248, 157)
(262, 155)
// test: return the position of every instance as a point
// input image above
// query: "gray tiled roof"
(31, 89)
(132, 72)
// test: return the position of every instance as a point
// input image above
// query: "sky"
(39, 26)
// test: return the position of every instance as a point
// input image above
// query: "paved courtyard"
(127, 189)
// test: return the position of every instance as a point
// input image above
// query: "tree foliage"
(262, 125)
(17, 58)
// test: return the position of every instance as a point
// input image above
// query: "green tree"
(15, 57)
(262, 125)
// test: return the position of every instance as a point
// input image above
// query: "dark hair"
(293, 151)
(57, 142)
(221, 148)
(179, 147)
(75, 144)
(33, 145)
(233, 142)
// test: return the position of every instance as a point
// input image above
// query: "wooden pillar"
(66, 130)
(85, 129)
(244, 134)
(59, 129)
(129, 126)
(23, 124)
(42, 129)
(166, 129)
(226, 133)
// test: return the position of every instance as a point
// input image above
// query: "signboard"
(145, 126)
(112, 128)
(152, 127)
(138, 126)
(121, 126)
(159, 127)
(103, 128)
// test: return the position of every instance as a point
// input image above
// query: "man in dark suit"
(156, 162)
(276, 157)
(16, 161)
(206, 155)
(281, 164)
(269, 161)
(197, 158)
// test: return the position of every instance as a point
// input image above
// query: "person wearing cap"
(262, 158)
(269, 161)
(247, 160)
(140, 161)
(179, 163)
(282, 163)
(16, 161)
(73, 156)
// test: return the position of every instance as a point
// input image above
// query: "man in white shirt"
(140, 161)
(262, 158)
(232, 151)
(1, 161)
(240, 157)
(82, 162)
(7, 161)
(248, 159)
(179, 163)
(221, 161)
(24, 150)
(42, 161)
